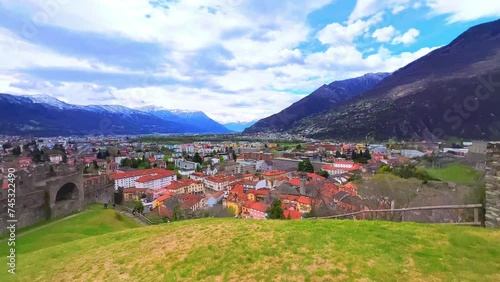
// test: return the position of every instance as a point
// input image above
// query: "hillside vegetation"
(92, 222)
(248, 250)
(457, 173)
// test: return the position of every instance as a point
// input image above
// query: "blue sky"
(236, 60)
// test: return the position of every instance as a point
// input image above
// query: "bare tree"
(385, 191)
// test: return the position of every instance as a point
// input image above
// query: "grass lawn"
(247, 250)
(457, 173)
(94, 221)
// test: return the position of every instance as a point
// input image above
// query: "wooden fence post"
(476, 215)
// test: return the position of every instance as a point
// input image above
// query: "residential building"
(254, 210)
(133, 194)
(55, 159)
(273, 175)
(341, 167)
(186, 165)
(186, 186)
(128, 179)
(218, 183)
(156, 181)
(197, 176)
(214, 199)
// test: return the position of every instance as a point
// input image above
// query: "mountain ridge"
(45, 115)
(318, 101)
(433, 98)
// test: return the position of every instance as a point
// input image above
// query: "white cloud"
(464, 10)
(18, 53)
(265, 69)
(407, 38)
(366, 8)
(338, 34)
(398, 9)
(384, 34)
(351, 61)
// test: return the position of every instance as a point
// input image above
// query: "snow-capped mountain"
(239, 126)
(43, 115)
(49, 100)
(195, 119)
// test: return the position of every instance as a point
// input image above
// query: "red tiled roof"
(256, 206)
(147, 178)
(314, 176)
(157, 191)
(220, 179)
(331, 167)
(263, 191)
(181, 183)
(304, 200)
(273, 172)
(190, 200)
(164, 197)
(218, 194)
(136, 173)
(133, 190)
(294, 215)
(296, 181)
(163, 211)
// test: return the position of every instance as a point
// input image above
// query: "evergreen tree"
(6, 146)
(367, 155)
(276, 211)
(16, 151)
(197, 158)
(37, 155)
(306, 166)
(323, 173)
(354, 156)
(301, 166)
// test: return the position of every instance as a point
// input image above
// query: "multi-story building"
(133, 194)
(340, 167)
(156, 181)
(254, 210)
(55, 159)
(128, 179)
(272, 175)
(186, 186)
(186, 165)
(218, 183)
(258, 156)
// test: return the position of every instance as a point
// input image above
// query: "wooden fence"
(391, 212)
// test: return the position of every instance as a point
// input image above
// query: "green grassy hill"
(248, 250)
(458, 173)
(92, 222)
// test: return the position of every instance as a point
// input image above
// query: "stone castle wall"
(37, 189)
(98, 190)
(493, 185)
